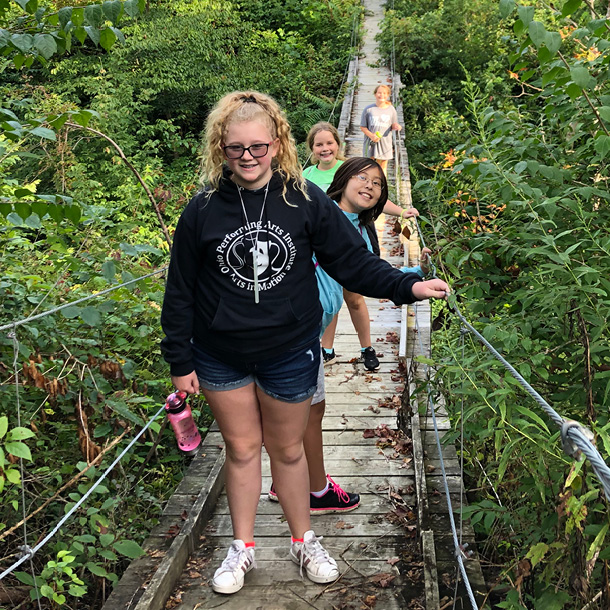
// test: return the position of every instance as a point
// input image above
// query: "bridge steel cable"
(352, 43)
(26, 552)
(575, 437)
(13, 336)
(460, 553)
(90, 297)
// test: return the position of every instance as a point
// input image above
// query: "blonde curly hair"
(324, 126)
(239, 107)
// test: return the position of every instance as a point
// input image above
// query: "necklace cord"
(258, 230)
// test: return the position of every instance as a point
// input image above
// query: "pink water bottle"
(181, 418)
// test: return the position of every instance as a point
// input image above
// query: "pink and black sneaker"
(335, 500)
(272, 495)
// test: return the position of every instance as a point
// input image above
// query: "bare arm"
(395, 210)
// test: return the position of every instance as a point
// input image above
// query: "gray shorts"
(319, 394)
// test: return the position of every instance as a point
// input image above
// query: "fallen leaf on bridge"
(341, 525)
(382, 580)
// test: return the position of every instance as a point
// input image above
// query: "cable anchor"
(463, 551)
(569, 447)
(25, 550)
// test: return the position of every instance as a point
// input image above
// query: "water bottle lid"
(175, 402)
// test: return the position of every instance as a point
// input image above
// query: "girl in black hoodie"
(242, 314)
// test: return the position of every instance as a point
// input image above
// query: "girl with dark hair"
(360, 188)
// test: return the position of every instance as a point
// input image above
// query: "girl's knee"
(243, 451)
(287, 455)
(355, 301)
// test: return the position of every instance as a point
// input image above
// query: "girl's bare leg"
(328, 338)
(239, 419)
(383, 163)
(314, 447)
(283, 430)
(359, 313)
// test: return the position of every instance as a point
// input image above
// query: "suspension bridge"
(407, 545)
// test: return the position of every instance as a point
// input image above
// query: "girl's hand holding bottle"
(186, 383)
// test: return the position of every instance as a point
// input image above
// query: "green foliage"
(517, 208)
(75, 222)
(435, 45)
(57, 579)
(167, 84)
(37, 33)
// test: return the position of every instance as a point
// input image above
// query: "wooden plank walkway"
(379, 546)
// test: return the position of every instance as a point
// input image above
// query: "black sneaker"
(329, 358)
(335, 500)
(370, 359)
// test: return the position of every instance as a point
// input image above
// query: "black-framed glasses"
(236, 151)
(377, 184)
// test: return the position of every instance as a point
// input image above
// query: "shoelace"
(315, 550)
(233, 559)
(343, 495)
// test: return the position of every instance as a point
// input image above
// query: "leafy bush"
(517, 206)
(76, 125)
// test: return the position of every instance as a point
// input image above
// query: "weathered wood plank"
(330, 438)
(362, 466)
(326, 525)
(353, 422)
(370, 504)
(430, 570)
(296, 596)
(371, 482)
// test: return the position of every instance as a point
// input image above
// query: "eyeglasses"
(377, 184)
(236, 151)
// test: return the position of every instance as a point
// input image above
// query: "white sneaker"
(312, 556)
(229, 578)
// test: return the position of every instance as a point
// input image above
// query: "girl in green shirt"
(325, 145)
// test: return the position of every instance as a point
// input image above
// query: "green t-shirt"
(323, 179)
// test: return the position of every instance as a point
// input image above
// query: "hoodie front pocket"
(268, 314)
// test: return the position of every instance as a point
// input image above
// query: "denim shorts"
(289, 377)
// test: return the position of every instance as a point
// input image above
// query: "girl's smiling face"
(382, 96)
(362, 191)
(248, 171)
(325, 150)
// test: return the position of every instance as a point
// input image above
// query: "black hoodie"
(209, 295)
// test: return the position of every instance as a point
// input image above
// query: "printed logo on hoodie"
(275, 252)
